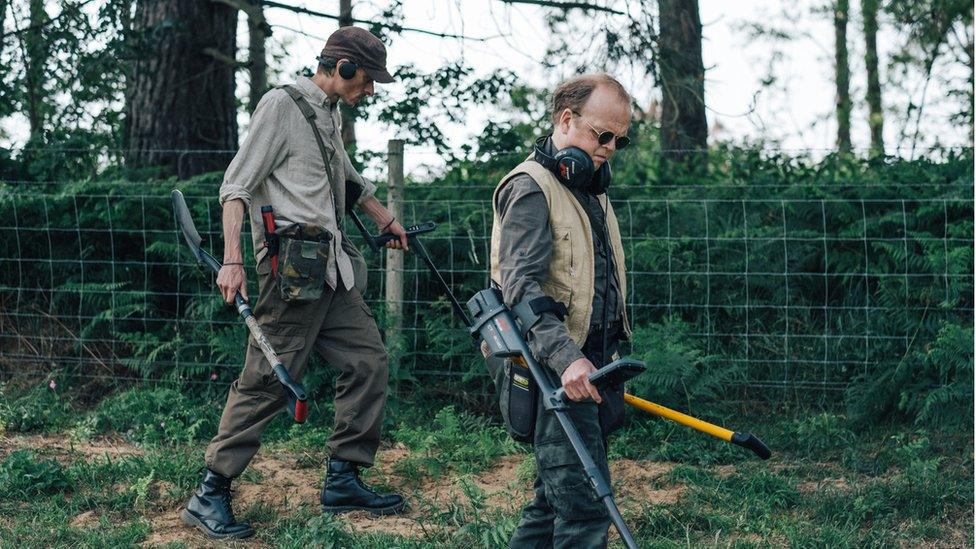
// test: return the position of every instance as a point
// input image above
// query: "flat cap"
(362, 47)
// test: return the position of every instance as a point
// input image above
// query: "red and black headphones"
(573, 167)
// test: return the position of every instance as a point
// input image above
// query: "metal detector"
(495, 324)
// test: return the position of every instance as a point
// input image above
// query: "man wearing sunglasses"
(555, 235)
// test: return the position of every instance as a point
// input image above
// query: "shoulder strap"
(309, 113)
(303, 105)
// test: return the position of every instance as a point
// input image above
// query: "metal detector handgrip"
(411, 231)
(377, 241)
(615, 373)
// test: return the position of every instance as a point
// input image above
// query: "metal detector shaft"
(746, 440)
(420, 250)
(297, 398)
(494, 323)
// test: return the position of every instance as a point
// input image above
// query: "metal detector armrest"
(617, 372)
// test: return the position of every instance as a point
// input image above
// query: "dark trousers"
(341, 328)
(565, 511)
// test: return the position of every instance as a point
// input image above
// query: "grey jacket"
(525, 253)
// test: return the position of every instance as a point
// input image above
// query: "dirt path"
(281, 485)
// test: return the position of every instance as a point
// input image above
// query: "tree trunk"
(36, 53)
(258, 32)
(869, 12)
(683, 125)
(183, 87)
(841, 9)
(348, 113)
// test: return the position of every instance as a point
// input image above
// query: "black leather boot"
(344, 491)
(209, 509)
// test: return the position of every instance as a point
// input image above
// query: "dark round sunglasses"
(604, 137)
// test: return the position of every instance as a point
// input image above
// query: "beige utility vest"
(571, 272)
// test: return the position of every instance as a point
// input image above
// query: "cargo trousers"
(565, 511)
(341, 328)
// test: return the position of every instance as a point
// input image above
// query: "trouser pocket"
(566, 487)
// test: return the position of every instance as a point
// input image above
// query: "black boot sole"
(191, 520)
(382, 511)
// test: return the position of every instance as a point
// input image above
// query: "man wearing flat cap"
(310, 278)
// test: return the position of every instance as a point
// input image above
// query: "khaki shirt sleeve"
(524, 256)
(368, 188)
(263, 150)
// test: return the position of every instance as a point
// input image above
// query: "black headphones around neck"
(573, 167)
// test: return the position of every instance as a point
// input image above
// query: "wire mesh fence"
(800, 291)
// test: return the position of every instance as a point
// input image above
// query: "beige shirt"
(279, 164)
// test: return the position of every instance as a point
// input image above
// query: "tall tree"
(842, 76)
(182, 99)
(937, 31)
(35, 53)
(258, 32)
(683, 125)
(869, 14)
(348, 113)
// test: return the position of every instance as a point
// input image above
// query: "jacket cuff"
(564, 355)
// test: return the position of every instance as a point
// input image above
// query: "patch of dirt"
(724, 471)
(284, 486)
(167, 528)
(836, 483)
(84, 520)
(65, 449)
(634, 483)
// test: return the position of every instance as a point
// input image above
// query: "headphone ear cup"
(574, 167)
(348, 70)
(542, 157)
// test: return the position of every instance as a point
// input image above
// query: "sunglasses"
(622, 141)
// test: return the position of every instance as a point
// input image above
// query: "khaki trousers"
(341, 328)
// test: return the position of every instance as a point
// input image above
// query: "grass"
(829, 483)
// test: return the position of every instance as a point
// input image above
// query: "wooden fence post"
(394, 258)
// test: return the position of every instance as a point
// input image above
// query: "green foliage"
(37, 409)
(454, 440)
(23, 475)
(477, 524)
(819, 436)
(678, 372)
(749, 269)
(157, 416)
(934, 384)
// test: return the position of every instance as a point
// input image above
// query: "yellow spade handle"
(684, 419)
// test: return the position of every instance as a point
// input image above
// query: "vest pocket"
(562, 251)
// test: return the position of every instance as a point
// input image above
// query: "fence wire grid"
(803, 293)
